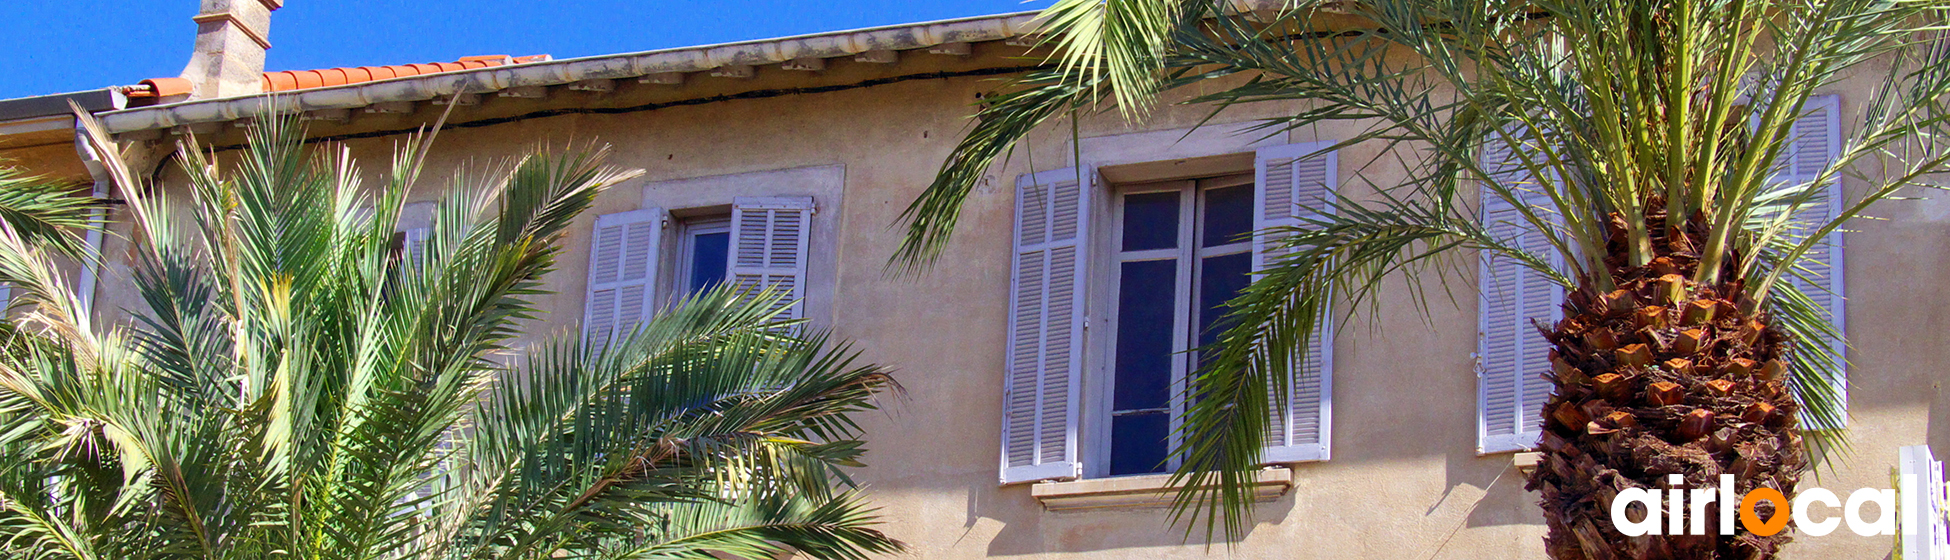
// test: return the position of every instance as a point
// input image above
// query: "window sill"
(1142, 491)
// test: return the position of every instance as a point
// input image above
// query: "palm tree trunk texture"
(1663, 376)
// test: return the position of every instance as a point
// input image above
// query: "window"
(415, 225)
(1106, 401)
(761, 245)
(703, 257)
(410, 246)
(1182, 251)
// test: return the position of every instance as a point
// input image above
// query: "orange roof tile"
(290, 80)
(160, 87)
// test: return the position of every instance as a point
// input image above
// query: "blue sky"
(71, 45)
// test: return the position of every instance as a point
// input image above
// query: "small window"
(1182, 251)
(396, 246)
(703, 254)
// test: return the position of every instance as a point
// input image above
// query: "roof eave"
(566, 71)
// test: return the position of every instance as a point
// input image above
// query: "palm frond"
(46, 213)
(1668, 109)
(838, 528)
(291, 386)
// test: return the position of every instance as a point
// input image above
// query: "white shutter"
(416, 226)
(1923, 533)
(1046, 310)
(768, 248)
(622, 273)
(1511, 357)
(414, 248)
(1816, 141)
(1292, 182)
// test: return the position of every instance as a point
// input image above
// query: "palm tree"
(294, 386)
(1646, 133)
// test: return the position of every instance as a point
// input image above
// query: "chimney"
(231, 38)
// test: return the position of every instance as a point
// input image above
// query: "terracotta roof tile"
(162, 87)
(290, 80)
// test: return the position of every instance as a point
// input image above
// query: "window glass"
(704, 254)
(1138, 445)
(1221, 278)
(1141, 400)
(1145, 308)
(1151, 221)
(708, 260)
(1157, 329)
(1228, 215)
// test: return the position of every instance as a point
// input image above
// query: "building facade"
(1040, 355)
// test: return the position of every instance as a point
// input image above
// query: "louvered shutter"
(416, 228)
(1046, 310)
(414, 247)
(1512, 359)
(622, 273)
(1923, 494)
(1816, 141)
(1291, 183)
(768, 248)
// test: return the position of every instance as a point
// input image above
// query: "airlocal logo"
(1684, 511)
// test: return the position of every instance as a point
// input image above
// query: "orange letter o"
(1752, 520)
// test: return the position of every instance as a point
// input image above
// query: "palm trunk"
(1663, 376)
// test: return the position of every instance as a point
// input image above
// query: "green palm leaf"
(292, 387)
(1675, 109)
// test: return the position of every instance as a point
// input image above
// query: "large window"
(1115, 287)
(1182, 251)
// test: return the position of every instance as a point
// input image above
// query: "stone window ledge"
(1142, 491)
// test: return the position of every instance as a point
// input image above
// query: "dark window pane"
(1220, 279)
(708, 253)
(1137, 443)
(1150, 221)
(1145, 300)
(1228, 215)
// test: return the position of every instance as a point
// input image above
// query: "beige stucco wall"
(1404, 480)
